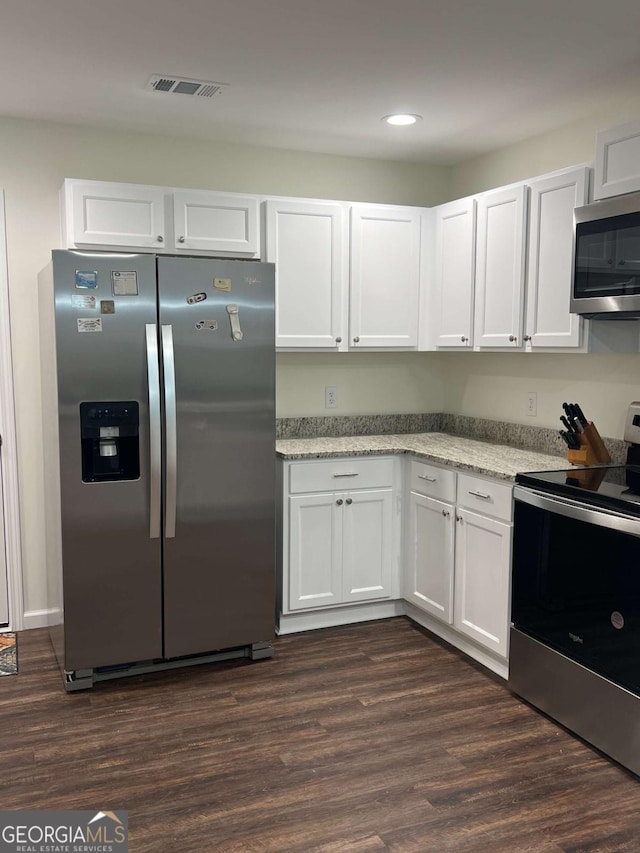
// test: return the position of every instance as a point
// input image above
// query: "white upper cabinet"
(385, 277)
(617, 166)
(499, 299)
(455, 253)
(306, 242)
(211, 222)
(101, 214)
(549, 322)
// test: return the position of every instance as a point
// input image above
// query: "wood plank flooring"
(368, 738)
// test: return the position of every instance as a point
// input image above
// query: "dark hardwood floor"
(367, 738)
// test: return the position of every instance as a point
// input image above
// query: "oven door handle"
(579, 511)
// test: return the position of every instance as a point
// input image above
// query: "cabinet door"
(550, 274)
(367, 550)
(385, 277)
(306, 243)
(114, 215)
(482, 572)
(500, 268)
(315, 550)
(455, 272)
(211, 222)
(428, 581)
(617, 166)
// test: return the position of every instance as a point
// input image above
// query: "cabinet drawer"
(339, 475)
(433, 481)
(487, 497)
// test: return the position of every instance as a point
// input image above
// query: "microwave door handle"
(171, 436)
(155, 432)
(579, 511)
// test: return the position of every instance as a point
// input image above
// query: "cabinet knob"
(348, 501)
(621, 263)
(180, 239)
(339, 501)
(464, 339)
(446, 513)
(459, 518)
(610, 260)
(338, 340)
(512, 338)
(527, 337)
(356, 340)
(160, 238)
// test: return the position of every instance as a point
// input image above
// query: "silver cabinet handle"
(446, 513)
(339, 501)
(512, 338)
(347, 474)
(482, 495)
(155, 432)
(527, 337)
(171, 434)
(160, 238)
(180, 239)
(430, 479)
(349, 501)
(338, 340)
(356, 340)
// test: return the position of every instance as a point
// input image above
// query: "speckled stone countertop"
(494, 460)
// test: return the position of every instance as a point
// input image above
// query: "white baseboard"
(293, 623)
(38, 618)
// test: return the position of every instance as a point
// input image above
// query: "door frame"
(9, 467)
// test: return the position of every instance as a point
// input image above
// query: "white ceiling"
(318, 75)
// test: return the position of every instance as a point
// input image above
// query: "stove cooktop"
(613, 486)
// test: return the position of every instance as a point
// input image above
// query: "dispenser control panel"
(109, 435)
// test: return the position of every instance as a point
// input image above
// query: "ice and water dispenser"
(110, 441)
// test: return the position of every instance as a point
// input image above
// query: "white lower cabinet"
(457, 561)
(341, 546)
(315, 545)
(429, 559)
(341, 554)
(482, 569)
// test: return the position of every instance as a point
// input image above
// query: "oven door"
(576, 582)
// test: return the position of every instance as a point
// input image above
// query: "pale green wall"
(368, 383)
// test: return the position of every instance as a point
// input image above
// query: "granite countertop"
(494, 460)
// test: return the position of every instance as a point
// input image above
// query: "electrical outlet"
(532, 404)
(330, 396)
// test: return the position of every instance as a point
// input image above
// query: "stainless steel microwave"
(606, 279)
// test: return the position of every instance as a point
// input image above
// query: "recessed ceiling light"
(400, 119)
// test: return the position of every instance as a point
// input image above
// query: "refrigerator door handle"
(155, 434)
(171, 437)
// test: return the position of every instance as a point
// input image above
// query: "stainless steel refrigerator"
(159, 378)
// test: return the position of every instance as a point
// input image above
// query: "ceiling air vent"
(184, 86)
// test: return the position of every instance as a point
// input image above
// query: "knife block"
(592, 450)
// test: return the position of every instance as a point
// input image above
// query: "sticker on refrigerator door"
(86, 279)
(124, 283)
(234, 319)
(207, 325)
(197, 297)
(107, 306)
(252, 279)
(222, 284)
(83, 302)
(89, 324)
